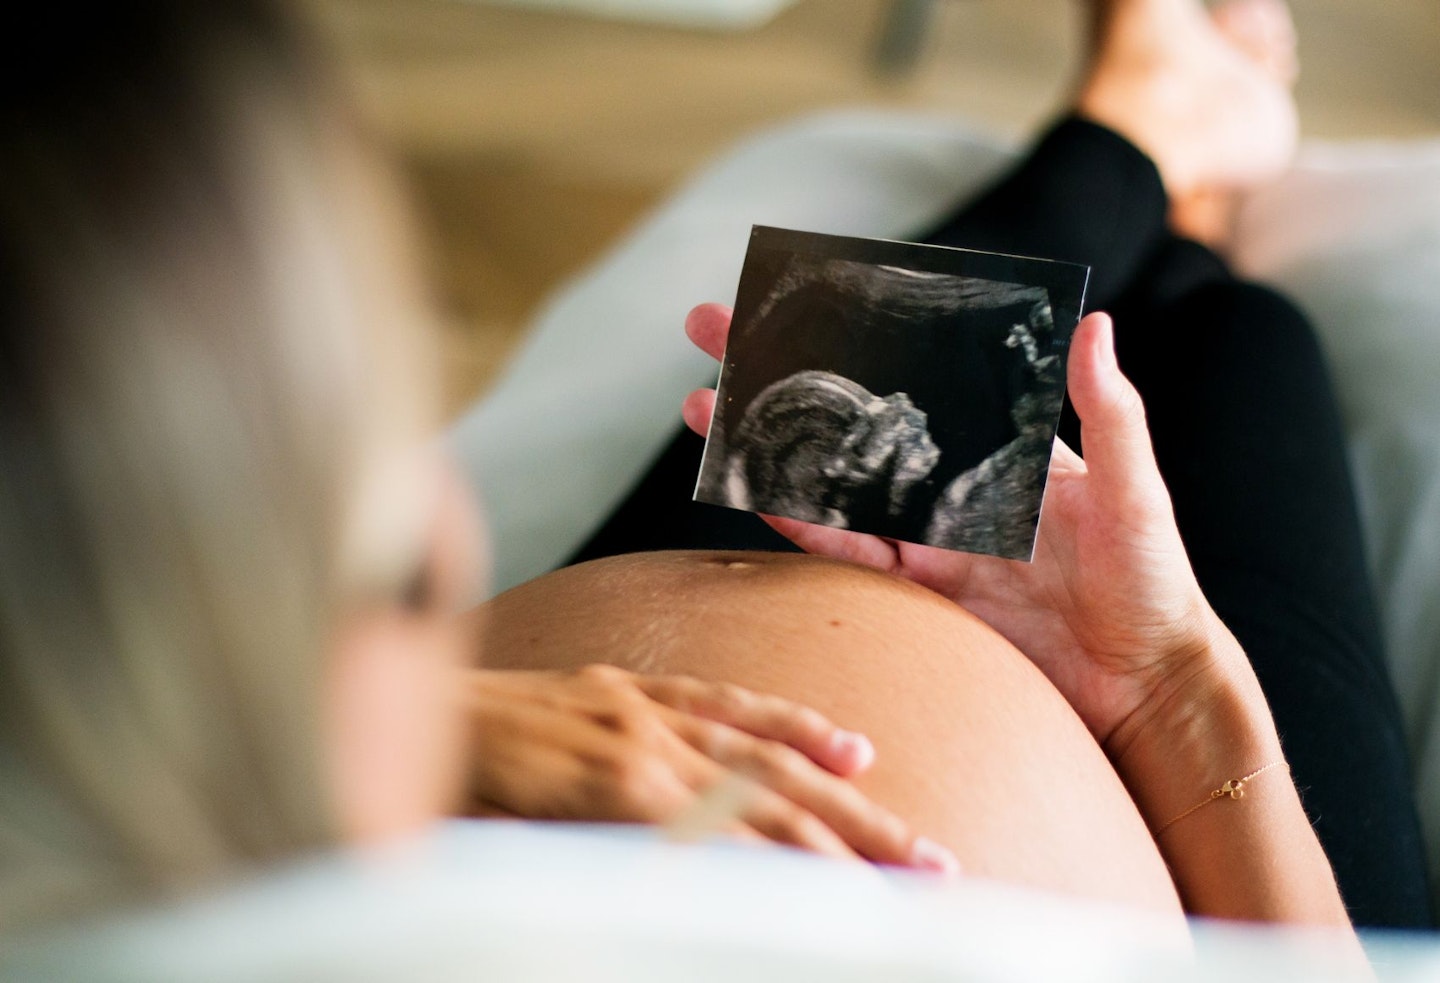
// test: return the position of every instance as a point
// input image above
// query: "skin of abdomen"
(974, 746)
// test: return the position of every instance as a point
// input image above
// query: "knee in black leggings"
(1235, 325)
(1250, 441)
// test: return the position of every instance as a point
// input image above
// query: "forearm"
(1253, 856)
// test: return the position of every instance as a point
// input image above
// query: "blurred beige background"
(534, 139)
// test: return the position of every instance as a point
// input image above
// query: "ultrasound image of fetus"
(822, 448)
(991, 507)
(969, 346)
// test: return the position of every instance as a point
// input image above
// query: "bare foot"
(1264, 31)
(1207, 99)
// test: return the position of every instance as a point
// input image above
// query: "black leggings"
(1249, 442)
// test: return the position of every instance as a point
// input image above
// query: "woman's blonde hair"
(208, 346)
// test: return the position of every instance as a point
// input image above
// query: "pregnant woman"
(229, 582)
(1181, 702)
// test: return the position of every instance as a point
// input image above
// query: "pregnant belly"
(974, 746)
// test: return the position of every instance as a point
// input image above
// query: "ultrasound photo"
(903, 390)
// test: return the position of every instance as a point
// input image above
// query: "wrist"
(1205, 723)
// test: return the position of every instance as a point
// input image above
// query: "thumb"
(1114, 435)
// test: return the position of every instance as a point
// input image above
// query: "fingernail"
(926, 854)
(852, 748)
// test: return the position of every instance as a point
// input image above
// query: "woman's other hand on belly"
(604, 744)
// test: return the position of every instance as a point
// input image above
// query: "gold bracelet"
(1234, 788)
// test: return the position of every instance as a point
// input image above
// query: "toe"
(1264, 31)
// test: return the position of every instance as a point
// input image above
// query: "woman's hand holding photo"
(1109, 608)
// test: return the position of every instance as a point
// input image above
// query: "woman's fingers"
(697, 410)
(702, 758)
(761, 715)
(838, 544)
(795, 799)
(777, 817)
(777, 745)
(1064, 461)
(727, 803)
(708, 326)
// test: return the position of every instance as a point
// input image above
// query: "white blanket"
(509, 901)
